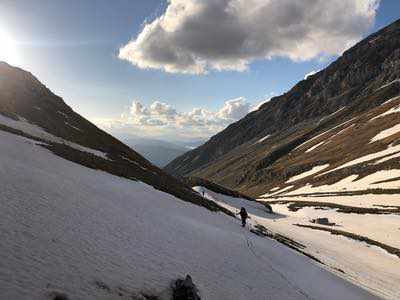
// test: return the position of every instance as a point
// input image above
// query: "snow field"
(382, 228)
(370, 267)
(63, 227)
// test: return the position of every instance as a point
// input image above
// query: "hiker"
(243, 215)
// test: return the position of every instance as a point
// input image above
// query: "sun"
(8, 49)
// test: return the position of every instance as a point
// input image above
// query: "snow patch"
(134, 162)
(386, 133)
(352, 183)
(382, 160)
(262, 139)
(393, 110)
(313, 171)
(334, 113)
(36, 131)
(315, 147)
(73, 127)
(324, 133)
(63, 114)
(341, 131)
(391, 150)
(279, 191)
(390, 100)
(388, 84)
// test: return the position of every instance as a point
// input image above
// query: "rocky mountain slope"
(29, 109)
(343, 113)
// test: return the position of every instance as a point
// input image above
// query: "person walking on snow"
(243, 215)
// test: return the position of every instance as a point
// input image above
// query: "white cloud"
(162, 109)
(195, 36)
(234, 109)
(162, 120)
(138, 109)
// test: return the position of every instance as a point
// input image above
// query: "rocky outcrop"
(322, 221)
(185, 289)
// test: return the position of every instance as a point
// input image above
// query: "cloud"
(234, 109)
(138, 109)
(162, 120)
(162, 109)
(195, 36)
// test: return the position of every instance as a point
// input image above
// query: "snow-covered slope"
(69, 229)
(363, 242)
(358, 261)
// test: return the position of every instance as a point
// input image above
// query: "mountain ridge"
(352, 85)
(28, 108)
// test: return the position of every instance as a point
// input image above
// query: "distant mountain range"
(342, 121)
(157, 151)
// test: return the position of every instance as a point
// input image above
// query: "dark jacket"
(243, 213)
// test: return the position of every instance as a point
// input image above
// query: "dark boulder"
(185, 289)
(322, 221)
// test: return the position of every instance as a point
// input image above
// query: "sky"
(179, 69)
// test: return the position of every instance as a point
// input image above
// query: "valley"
(295, 197)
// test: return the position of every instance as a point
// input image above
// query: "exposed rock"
(149, 297)
(268, 207)
(58, 296)
(323, 221)
(103, 286)
(185, 289)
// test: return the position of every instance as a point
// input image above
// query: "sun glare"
(8, 51)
